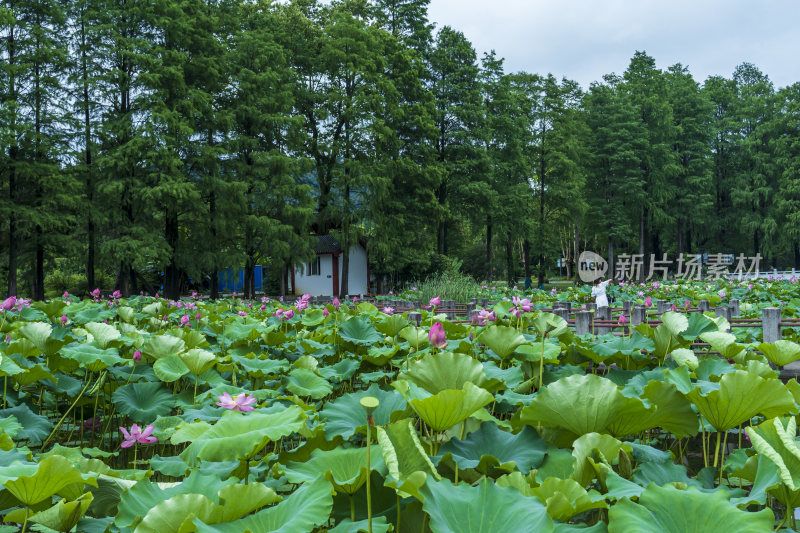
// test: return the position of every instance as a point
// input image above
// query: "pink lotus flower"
(648, 302)
(137, 436)
(437, 336)
(8, 303)
(325, 312)
(116, 294)
(186, 321)
(263, 307)
(640, 294)
(687, 304)
(198, 316)
(336, 303)
(622, 320)
(436, 301)
(64, 320)
(279, 313)
(750, 286)
(137, 356)
(553, 291)
(674, 308)
(302, 304)
(241, 402)
(194, 294)
(391, 293)
(355, 300)
(289, 314)
(65, 295)
(264, 300)
(485, 315)
(242, 313)
(722, 294)
(388, 310)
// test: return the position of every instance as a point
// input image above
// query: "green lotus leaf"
(406, 461)
(780, 352)
(170, 368)
(698, 324)
(91, 357)
(775, 440)
(550, 323)
(238, 436)
(177, 513)
(415, 336)
(10, 426)
(197, 360)
(39, 333)
(64, 515)
(622, 346)
(345, 468)
(33, 374)
(617, 487)
(35, 428)
(392, 324)
(259, 368)
(662, 473)
(739, 397)
(685, 357)
(87, 311)
(189, 431)
(509, 377)
(341, 371)
(306, 361)
(593, 404)
(724, 343)
(304, 382)
(380, 355)
(359, 330)
(344, 416)
(670, 510)
(502, 340)
(533, 353)
(103, 334)
(53, 474)
(379, 524)
(661, 405)
(592, 449)
(307, 508)
(136, 499)
(440, 371)
(313, 317)
(676, 323)
(447, 408)
(162, 346)
(486, 508)
(490, 446)
(143, 401)
(565, 498)
(8, 367)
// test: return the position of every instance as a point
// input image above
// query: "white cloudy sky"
(584, 39)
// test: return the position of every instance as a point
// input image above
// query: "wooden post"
(415, 318)
(735, 307)
(562, 312)
(603, 313)
(725, 312)
(662, 306)
(626, 307)
(638, 315)
(771, 324)
(703, 305)
(583, 322)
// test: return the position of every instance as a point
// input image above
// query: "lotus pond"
(145, 415)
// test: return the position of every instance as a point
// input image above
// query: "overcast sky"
(584, 39)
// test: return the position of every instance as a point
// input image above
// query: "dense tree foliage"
(146, 144)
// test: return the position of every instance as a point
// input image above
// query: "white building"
(321, 277)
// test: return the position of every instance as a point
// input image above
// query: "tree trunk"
(510, 270)
(171, 274)
(526, 252)
(38, 281)
(282, 275)
(212, 211)
(576, 253)
(641, 239)
(680, 236)
(87, 126)
(610, 258)
(13, 154)
(489, 273)
(345, 274)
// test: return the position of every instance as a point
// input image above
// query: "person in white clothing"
(599, 292)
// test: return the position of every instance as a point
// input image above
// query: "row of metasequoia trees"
(162, 140)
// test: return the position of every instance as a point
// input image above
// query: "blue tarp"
(231, 280)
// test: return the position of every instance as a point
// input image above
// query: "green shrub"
(449, 284)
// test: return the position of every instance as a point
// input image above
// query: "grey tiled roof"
(326, 244)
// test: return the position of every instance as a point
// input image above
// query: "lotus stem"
(369, 475)
(50, 436)
(716, 450)
(397, 527)
(5, 387)
(352, 509)
(135, 449)
(194, 396)
(541, 363)
(703, 437)
(722, 459)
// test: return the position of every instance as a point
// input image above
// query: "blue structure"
(231, 280)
